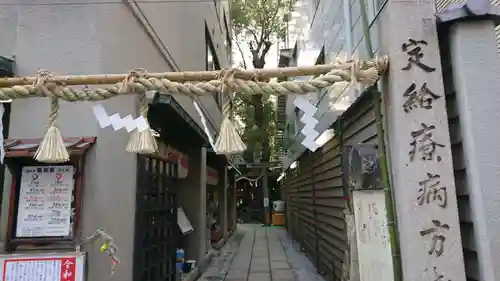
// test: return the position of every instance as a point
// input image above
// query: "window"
(212, 63)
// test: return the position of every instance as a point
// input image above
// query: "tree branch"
(241, 53)
(267, 47)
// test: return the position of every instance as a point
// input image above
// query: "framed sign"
(45, 202)
(44, 199)
(43, 267)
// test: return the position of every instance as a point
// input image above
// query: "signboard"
(183, 164)
(372, 235)
(180, 158)
(420, 148)
(212, 176)
(43, 267)
(361, 167)
(45, 197)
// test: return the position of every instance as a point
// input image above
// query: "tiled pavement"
(257, 253)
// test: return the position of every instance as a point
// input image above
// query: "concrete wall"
(102, 37)
(107, 37)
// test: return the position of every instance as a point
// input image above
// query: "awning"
(186, 117)
(181, 112)
(27, 147)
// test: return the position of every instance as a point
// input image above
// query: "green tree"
(259, 24)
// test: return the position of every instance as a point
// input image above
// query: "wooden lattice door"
(156, 230)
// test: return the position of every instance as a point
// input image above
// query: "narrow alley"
(257, 253)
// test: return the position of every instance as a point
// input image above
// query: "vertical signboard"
(420, 149)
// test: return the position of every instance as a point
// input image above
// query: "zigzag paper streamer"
(204, 122)
(309, 121)
(128, 122)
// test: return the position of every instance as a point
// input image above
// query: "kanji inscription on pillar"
(420, 149)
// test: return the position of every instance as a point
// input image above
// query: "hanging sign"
(212, 176)
(180, 158)
(45, 197)
(60, 267)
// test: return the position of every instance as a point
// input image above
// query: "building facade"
(99, 37)
(324, 30)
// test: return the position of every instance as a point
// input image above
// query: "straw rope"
(228, 141)
(191, 84)
(52, 148)
(368, 71)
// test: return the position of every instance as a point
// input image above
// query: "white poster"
(43, 267)
(45, 201)
(183, 222)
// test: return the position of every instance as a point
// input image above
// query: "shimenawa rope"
(52, 149)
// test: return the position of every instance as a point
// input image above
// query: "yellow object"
(278, 219)
(104, 247)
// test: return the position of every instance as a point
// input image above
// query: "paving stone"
(259, 277)
(279, 265)
(262, 254)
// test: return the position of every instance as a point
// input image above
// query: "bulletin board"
(43, 267)
(45, 201)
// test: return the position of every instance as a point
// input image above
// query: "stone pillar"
(476, 72)
(202, 223)
(419, 144)
(225, 187)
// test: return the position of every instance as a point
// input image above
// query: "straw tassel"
(228, 141)
(142, 141)
(52, 148)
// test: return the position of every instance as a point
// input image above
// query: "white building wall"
(103, 36)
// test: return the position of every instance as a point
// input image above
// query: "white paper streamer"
(309, 121)
(128, 122)
(205, 127)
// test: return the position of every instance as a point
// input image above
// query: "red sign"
(68, 269)
(57, 269)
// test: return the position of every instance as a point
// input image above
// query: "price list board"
(43, 268)
(45, 198)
